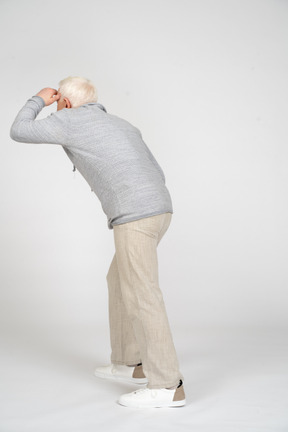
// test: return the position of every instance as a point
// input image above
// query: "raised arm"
(52, 130)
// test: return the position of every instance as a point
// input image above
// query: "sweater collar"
(99, 105)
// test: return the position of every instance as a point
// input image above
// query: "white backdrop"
(206, 83)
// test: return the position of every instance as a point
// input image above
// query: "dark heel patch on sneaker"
(138, 372)
(179, 394)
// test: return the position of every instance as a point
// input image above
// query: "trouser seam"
(138, 305)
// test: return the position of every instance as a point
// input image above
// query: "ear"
(67, 102)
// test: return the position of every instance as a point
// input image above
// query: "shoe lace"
(143, 390)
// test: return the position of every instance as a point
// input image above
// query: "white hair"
(78, 90)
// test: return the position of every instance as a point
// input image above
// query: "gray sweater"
(108, 151)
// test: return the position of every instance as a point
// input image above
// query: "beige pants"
(139, 328)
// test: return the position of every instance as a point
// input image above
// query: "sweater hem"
(132, 219)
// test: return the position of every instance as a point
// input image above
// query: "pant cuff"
(164, 385)
(126, 363)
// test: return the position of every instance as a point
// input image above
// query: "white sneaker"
(133, 374)
(154, 398)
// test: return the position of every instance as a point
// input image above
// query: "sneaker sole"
(121, 378)
(171, 405)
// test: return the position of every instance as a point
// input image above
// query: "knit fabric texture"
(107, 150)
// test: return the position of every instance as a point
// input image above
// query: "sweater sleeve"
(51, 130)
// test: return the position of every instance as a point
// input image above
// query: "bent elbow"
(13, 133)
(16, 134)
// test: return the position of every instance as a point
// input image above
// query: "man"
(111, 155)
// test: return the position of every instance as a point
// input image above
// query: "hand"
(49, 95)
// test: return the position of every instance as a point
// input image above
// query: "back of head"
(78, 90)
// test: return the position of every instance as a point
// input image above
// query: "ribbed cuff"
(39, 100)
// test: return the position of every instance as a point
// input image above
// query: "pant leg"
(124, 348)
(136, 252)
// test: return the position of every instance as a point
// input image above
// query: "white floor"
(235, 380)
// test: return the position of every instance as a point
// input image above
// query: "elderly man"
(115, 161)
